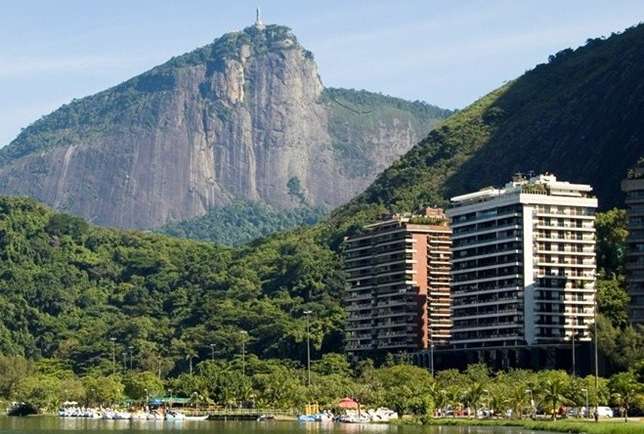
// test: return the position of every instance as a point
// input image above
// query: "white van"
(604, 411)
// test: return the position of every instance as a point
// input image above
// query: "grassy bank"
(567, 426)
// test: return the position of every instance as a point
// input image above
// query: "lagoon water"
(55, 425)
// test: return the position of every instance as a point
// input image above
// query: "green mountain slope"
(67, 287)
(580, 116)
(242, 222)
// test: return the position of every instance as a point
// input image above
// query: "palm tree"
(554, 385)
(477, 377)
(499, 398)
(441, 399)
(474, 394)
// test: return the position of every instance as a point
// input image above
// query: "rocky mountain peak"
(244, 118)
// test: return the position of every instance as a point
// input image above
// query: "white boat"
(153, 415)
(355, 418)
(172, 415)
(382, 414)
(122, 415)
(116, 415)
(197, 418)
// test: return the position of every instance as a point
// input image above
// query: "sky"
(448, 53)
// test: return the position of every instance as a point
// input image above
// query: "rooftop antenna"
(258, 19)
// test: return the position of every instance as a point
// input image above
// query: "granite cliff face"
(246, 117)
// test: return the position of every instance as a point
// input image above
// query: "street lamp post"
(124, 361)
(587, 410)
(113, 355)
(307, 313)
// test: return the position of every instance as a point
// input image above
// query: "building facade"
(399, 276)
(633, 187)
(523, 267)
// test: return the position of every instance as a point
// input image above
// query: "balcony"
(354, 328)
(475, 243)
(483, 219)
(572, 228)
(358, 308)
(577, 214)
(569, 240)
(478, 232)
(488, 330)
(360, 297)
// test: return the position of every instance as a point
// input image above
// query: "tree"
(103, 391)
(295, 189)
(553, 387)
(453, 385)
(12, 370)
(611, 229)
(613, 301)
(511, 389)
(141, 385)
(41, 390)
(625, 390)
(622, 348)
(478, 377)
(406, 388)
(332, 363)
(277, 385)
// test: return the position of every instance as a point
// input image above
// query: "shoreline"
(614, 426)
(634, 426)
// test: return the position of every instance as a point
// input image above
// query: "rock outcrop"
(246, 117)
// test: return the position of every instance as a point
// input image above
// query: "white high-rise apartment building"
(523, 267)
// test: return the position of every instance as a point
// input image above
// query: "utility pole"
(572, 339)
(596, 361)
(244, 333)
(113, 355)
(307, 313)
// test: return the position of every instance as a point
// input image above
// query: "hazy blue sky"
(445, 52)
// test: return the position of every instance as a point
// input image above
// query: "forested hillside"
(67, 287)
(578, 116)
(242, 222)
